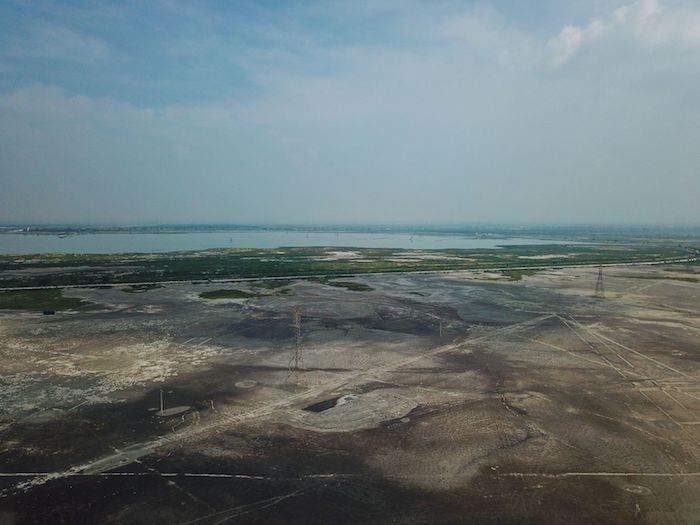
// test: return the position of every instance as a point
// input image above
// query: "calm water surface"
(172, 242)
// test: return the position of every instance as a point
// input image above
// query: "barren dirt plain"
(451, 398)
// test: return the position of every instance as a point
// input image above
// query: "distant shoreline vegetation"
(475, 230)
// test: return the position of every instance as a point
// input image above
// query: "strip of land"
(65, 271)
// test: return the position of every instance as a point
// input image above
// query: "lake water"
(171, 242)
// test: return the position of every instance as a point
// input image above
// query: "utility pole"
(161, 401)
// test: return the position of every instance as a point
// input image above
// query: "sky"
(363, 111)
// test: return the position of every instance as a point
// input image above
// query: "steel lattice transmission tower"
(599, 289)
(296, 361)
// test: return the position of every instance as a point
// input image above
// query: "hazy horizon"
(366, 113)
(350, 225)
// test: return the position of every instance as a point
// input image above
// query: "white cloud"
(657, 24)
(53, 41)
(565, 44)
(647, 22)
(486, 31)
(432, 121)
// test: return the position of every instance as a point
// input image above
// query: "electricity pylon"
(599, 289)
(296, 361)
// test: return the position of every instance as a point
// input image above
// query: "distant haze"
(358, 111)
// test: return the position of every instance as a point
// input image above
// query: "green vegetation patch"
(141, 288)
(665, 277)
(273, 284)
(517, 275)
(228, 294)
(686, 279)
(258, 264)
(38, 300)
(691, 267)
(349, 285)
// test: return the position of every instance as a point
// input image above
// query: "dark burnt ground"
(87, 432)
(269, 328)
(286, 487)
(79, 435)
(527, 409)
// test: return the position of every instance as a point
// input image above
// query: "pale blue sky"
(362, 111)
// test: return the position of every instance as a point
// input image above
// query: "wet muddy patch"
(322, 405)
(352, 411)
(327, 404)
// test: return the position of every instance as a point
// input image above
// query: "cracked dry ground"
(430, 399)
